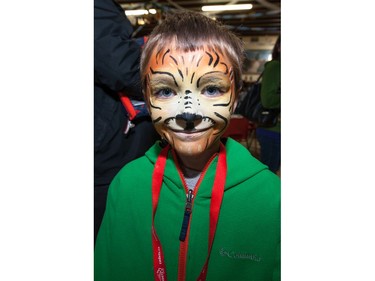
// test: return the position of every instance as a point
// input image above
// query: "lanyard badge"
(160, 272)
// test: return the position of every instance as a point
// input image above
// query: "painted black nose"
(189, 119)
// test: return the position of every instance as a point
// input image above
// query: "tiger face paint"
(190, 97)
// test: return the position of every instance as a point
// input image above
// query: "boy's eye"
(164, 93)
(212, 91)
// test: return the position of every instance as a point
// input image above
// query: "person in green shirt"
(196, 206)
(270, 138)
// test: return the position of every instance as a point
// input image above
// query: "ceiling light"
(226, 7)
(136, 12)
(139, 12)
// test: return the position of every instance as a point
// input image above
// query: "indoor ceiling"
(263, 19)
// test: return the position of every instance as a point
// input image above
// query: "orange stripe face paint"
(190, 96)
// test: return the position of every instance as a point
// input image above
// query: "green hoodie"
(247, 240)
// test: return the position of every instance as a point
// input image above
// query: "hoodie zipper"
(186, 220)
(185, 228)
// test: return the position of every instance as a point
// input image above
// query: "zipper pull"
(185, 221)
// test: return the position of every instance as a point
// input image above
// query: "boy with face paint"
(195, 207)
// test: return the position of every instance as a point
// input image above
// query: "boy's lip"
(193, 131)
(190, 135)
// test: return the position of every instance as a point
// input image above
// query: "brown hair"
(191, 31)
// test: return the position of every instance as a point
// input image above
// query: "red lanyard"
(160, 272)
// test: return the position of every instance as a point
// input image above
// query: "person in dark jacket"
(116, 69)
(270, 138)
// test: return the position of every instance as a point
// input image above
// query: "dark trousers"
(100, 197)
(270, 148)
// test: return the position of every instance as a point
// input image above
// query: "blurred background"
(257, 22)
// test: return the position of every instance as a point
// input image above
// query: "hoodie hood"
(237, 155)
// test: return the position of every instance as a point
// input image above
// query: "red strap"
(126, 102)
(160, 272)
(215, 205)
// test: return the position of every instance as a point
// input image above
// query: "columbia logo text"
(239, 255)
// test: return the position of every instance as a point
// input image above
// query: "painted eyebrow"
(164, 73)
(159, 82)
(211, 77)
